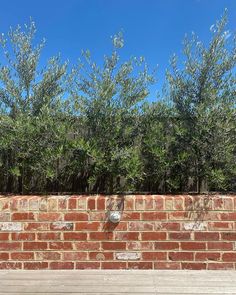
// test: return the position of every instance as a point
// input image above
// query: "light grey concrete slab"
(117, 282)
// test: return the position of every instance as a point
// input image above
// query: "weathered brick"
(22, 255)
(140, 265)
(74, 256)
(126, 236)
(193, 265)
(204, 256)
(167, 245)
(128, 256)
(61, 265)
(35, 246)
(23, 236)
(49, 216)
(10, 246)
(10, 226)
(35, 265)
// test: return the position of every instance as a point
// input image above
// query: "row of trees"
(91, 129)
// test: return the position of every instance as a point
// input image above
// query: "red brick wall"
(155, 232)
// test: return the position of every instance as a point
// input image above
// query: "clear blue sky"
(152, 28)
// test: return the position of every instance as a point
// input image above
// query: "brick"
(4, 236)
(101, 256)
(206, 236)
(178, 215)
(74, 256)
(179, 236)
(49, 236)
(113, 245)
(10, 226)
(5, 216)
(140, 246)
(228, 236)
(167, 265)
(35, 226)
(193, 265)
(77, 236)
(52, 204)
(113, 265)
(34, 204)
(126, 236)
(220, 266)
(228, 203)
(172, 226)
(10, 265)
(178, 203)
(62, 203)
(35, 246)
(61, 225)
(47, 255)
(23, 236)
(223, 246)
(158, 202)
(154, 216)
(87, 265)
(88, 226)
(61, 265)
(35, 265)
(195, 226)
(153, 256)
(181, 256)
(153, 236)
(128, 256)
(139, 203)
(231, 216)
(207, 256)
(149, 203)
(169, 203)
(72, 203)
(87, 246)
(167, 246)
(101, 236)
(221, 225)
(141, 226)
(91, 203)
(60, 246)
(101, 203)
(22, 216)
(230, 256)
(191, 246)
(128, 216)
(81, 202)
(10, 246)
(76, 216)
(109, 226)
(128, 204)
(140, 265)
(97, 216)
(52, 216)
(4, 256)
(22, 256)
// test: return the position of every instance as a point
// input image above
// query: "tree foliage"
(92, 129)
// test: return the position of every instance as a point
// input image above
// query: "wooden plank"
(76, 289)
